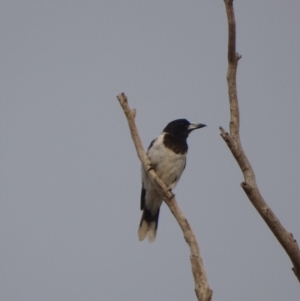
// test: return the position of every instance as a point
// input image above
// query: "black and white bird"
(167, 154)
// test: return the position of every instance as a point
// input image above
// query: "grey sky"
(70, 178)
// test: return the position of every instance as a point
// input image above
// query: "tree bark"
(232, 140)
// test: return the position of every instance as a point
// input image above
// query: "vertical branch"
(232, 140)
(233, 58)
(202, 290)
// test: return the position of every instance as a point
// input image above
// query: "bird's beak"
(194, 126)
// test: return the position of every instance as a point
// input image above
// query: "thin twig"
(232, 140)
(202, 290)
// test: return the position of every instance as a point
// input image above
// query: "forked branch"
(232, 140)
(202, 290)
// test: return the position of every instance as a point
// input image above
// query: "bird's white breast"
(168, 165)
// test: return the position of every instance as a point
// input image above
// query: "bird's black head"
(181, 127)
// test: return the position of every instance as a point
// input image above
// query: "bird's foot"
(172, 194)
(151, 167)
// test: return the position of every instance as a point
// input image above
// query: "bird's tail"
(148, 225)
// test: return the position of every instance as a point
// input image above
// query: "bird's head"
(181, 127)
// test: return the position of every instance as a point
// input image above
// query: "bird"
(167, 154)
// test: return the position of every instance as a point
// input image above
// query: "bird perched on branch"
(167, 154)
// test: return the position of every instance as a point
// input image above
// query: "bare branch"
(233, 58)
(202, 290)
(233, 142)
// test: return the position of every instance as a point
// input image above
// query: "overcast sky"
(70, 177)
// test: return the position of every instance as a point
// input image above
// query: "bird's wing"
(143, 198)
(151, 144)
